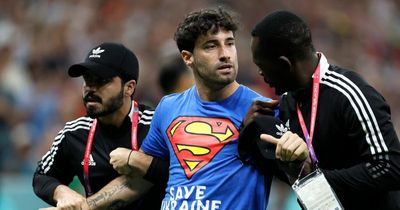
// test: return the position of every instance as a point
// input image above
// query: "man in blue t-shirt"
(198, 130)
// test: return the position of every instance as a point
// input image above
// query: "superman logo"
(196, 140)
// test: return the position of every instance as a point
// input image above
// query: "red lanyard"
(314, 106)
(135, 122)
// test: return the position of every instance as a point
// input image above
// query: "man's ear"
(187, 57)
(130, 87)
(285, 62)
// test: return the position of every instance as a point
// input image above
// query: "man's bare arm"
(118, 193)
(127, 188)
(129, 162)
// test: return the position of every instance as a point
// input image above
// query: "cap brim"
(249, 139)
(90, 67)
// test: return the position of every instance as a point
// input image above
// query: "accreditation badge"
(315, 193)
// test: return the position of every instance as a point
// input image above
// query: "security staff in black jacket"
(354, 140)
(110, 72)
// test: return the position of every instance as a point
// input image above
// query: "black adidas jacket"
(354, 139)
(64, 160)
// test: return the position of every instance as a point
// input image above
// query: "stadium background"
(39, 39)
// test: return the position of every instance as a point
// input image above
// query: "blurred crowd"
(39, 39)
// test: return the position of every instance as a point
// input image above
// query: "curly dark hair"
(200, 22)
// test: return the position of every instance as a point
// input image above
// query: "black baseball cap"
(108, 60)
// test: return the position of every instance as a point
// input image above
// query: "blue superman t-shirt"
(200, 138)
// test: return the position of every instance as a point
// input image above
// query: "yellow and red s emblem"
(196, 140)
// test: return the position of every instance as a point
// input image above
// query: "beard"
(109, 106)
(214, 79)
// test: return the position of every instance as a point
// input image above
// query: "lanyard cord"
(135, 122)
(88, 150)
(314, 106)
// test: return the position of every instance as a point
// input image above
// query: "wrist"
(141, 162)
(129, 158)
(59, 191)
(307, 167)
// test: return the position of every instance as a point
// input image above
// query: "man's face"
(274, 73)
(102, 96)
(214, 59)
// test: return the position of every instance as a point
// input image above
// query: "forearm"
(61, 191)
(140, 163)
(119, 193)
(44, 187)
(296, 169)
(129, 162)
(381, 175)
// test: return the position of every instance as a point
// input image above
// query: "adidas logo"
(282, 129)
(91, 161)
(96, 53)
